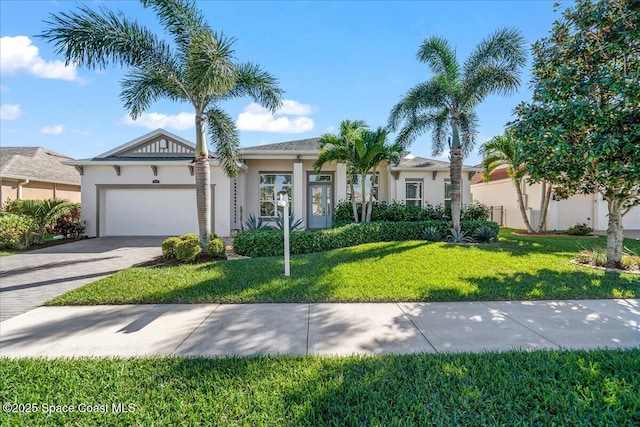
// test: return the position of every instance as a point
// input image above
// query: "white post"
(283, 201)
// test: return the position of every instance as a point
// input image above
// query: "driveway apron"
(29, 279)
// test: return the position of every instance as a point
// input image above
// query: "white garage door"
(150, 212)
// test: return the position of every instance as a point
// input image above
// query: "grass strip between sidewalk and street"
(513, 388)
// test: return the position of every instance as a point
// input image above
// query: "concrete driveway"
(29, 279)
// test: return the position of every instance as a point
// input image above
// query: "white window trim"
(275, 193)
(420, 198)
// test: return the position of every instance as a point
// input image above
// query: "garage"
(149, 212)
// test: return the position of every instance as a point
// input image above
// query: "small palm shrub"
(485, 234)
(431, 234)
(216, 248)
(294, 223)
(44, 213)
(188, 250)
(456, 236)
(16, 231)
(169, 247)
(579, 230)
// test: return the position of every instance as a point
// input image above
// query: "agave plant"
(294, 223)
(484, 233)
(254, 223)
(456, 236)
(431, 234)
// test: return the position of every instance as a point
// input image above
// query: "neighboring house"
(37, 173)
(147, 186)
(588, 209)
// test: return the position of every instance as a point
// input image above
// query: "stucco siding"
(37, 190)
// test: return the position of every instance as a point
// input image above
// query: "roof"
(37, 164)
(310, 144)
(421, 162)
(495, 175)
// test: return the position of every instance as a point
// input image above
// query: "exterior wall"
(562, 214)
(37, 190)
(432, 189)
(143, 175)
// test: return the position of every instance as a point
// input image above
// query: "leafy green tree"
(44, 213)
(198, 66)
(582, 127)
(446, 103)
(505, 150)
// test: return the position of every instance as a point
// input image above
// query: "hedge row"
(395, 211)
(264, 243)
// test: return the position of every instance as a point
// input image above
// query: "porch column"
(298, 191)
(341, 182)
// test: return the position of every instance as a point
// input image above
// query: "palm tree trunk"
(523, 211)
(455, 171)
(370, 204)
(614, 233)
(363, 186)
(544, 206)
(203, 183)
(354, 203)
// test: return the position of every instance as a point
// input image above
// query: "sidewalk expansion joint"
(194, 329)
(308, 327)
(417, 328)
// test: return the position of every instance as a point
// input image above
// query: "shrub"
(475, 212)
(216, 248)
(169, 247)
(255, 223)
(456, 236)
(486, 234)
(70, 223)
(263, 243)
(395, 212)
(431, 234)
(630, 262)
(189, 236)
(294, 223)
(579, 230)
(188, 250)
(16, 231)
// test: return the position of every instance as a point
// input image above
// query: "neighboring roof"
(496, 175)
(37, 164)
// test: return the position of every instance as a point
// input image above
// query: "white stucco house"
(590, 209)
(147, 186)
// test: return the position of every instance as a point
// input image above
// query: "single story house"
(590, 209)
(38, 174)
(147, 186)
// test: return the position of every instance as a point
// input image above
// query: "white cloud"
(52, 130)
(181, 121)
(10, 112)
(18, 55)
(258, 119)
(4, 89)
(445, 155)
(80, 132)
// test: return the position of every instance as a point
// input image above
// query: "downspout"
(20, 184)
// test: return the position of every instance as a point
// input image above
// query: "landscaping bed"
(513, 388)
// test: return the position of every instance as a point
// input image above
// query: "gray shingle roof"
(422, 162)
(37, 164)
(310, 144)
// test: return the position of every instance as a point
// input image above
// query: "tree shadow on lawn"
(262, 279)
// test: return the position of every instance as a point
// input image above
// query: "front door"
(320, 206)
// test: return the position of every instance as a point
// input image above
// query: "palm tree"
(44, 213)
(341, 148)
(505, 150)
(198, 68)
(446, 103)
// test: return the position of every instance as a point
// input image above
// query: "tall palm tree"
(341, 148)
(505, 150)
(198, 68)
(446, 103)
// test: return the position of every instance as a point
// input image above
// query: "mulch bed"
(203, 258)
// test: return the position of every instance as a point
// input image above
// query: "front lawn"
(516, 268)
(540, 388)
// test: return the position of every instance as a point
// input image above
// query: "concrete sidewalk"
(320, 329)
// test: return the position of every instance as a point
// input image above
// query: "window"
(447, 195)
(271, 186)
(413, 193)
(319, 178)
(357, 187)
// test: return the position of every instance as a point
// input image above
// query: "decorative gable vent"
(162, 146)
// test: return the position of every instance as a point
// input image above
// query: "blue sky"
(335, 61)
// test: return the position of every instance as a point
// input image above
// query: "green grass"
(516, 268)
(5, 252)
(515, 388)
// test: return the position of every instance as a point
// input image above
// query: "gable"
(158, 143)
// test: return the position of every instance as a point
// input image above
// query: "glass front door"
(320, 207)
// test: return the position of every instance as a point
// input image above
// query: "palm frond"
(440, 132)
(438, 54)
(423, 96)
(96, 39)
(468, 132)
(224, 139)
(144, 85)
(210, 68)
(258, 84)
(181, 18)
